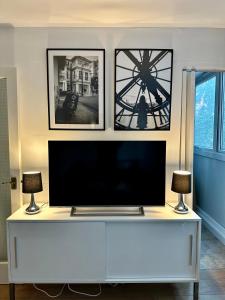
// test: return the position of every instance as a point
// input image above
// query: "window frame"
(221, 118)
(217, 152)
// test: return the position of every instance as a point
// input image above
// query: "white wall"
(192, 47)
(6, 46)
(209, 189)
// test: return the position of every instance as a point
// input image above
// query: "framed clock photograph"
(143, 88)
(76, 89)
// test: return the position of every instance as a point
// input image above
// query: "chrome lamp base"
(181, 208)
(33, 208)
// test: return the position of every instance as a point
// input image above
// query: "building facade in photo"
(79, 75)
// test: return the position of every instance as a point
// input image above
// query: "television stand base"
(106, 211)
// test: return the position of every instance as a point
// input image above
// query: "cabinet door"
(150, 251)
(57, 252)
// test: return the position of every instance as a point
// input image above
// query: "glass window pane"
(223, 117)
(204, 113)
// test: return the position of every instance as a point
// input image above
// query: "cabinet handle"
(15, 253)
(191, 249)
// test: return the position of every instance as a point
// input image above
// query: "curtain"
(187, 125)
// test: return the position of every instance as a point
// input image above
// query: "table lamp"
(181, 183)
(32, 183)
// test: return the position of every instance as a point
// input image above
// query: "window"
(86, 76)
(209, 112)
(205, 113)
(80, 75)
(223, 113)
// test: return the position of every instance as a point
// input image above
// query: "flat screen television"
(107, 173)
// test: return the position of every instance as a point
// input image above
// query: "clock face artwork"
(143, 84)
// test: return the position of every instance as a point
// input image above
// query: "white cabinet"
(152, 250)
(57, 252)
(52, 247)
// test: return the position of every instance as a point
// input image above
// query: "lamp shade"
(181, 182)
(31, 182)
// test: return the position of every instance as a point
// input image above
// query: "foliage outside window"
(209, 112)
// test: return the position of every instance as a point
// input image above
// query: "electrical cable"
(70, 289)
(85, 294)
(170, 205)
(46, 203)
(47, 294)
(114, 284)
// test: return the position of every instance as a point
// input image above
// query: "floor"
(212, 283)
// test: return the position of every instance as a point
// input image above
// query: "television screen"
(107, 173)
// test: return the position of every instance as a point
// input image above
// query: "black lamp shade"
(181, 182)
(32, 182)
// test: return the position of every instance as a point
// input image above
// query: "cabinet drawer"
(57, 252)
(151, 250)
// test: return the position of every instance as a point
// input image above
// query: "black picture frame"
(138, 72)
(76, 88)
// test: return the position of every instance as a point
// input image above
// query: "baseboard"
(212, 225)
(4, 273)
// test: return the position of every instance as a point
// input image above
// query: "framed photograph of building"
(76, 89)
(143, 89)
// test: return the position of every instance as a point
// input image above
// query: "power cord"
(47, 294)
(85, 294)
(70, 289)
(170, 205)
(114, 284)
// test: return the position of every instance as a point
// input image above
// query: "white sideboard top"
(62, 214)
